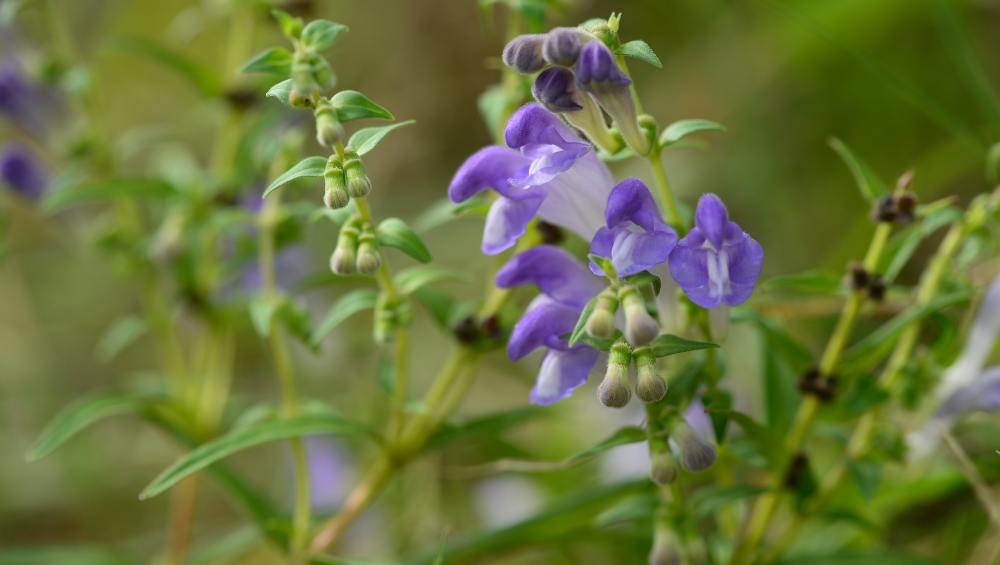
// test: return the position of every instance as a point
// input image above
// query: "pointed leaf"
(321, 34)
(413, 279)
(581, 323)
(291, 26)
(871, 186)
(265, 432)
(822, 283)
(393, 232)
(276, 60)
(349, 304)
(119, 336)
(107, 190)
(667, 344)
(364, 140)
(202, 77)
(308, 167)
(351, 105)
(683, 128)
(641, 50)
(281, 91)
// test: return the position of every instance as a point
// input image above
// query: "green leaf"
(641, 50)
(443, 308)
(871, 186)
(393, 232)
(63, 554)
(351, 105)
(413, 279)
(645, 278)
(308, 167)
(808, 283)
(228, 547)
(81, 414)
(667, 344)
(905, 245)
(120, 335)
(622, 436)
(444, 211)
(761, 437)
(640, 508)
(709, 500)
(202, 77)
(866, 475)
(281, 91)
(857, 557)
(683, 128)
(321, 34)
(291, 27)
(349, 304)
(262, 309)
(364, 140)
(491, 424)
(265, 432)
(107, 190)
(872, 347)
(276, 60)
(581, 323)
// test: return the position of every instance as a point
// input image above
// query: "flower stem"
(762, 512)
(975, 479)
(667, 199)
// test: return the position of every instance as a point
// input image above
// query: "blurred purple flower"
(329, 473)
(716, 261)
(22, 172)
(25, 103)
(566, 287)
(547, 171)
(635, 237)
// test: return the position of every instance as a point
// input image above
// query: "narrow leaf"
(276, 60)
(668, 344)
(683, 128)
(364, 140)
(308, 167)
(119, 336)
(413, 279)
(809, 283)
(352, 105)
(641, 50)
(349, 304)
(265, 432)
(710, 499)
(491, 424)
(393, 232)
(581, 323)
(871, 186)
(107, 190)
(202, 77)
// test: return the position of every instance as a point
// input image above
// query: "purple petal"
(712, 218)
(490, 167)
(746, 257)
(697, 417)
(982, 394)
(22, 172)
(601, 246)
(556, 273)
(562, 45)
(561, 373)
(548, 161)
(531, 124)
(596, 65)
(555, 88)
(541, 326)
(689, 269)
(576, 198)
(634, 252)
(506, 221)
(524, 53)
(630, 201)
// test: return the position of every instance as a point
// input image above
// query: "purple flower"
(599, 74)
(524, 53)
(21, 171)
(562, 45)
(716, 261)
(547, 171)
(635, 237)
(566, 287)
(557, 90)
(28, 105)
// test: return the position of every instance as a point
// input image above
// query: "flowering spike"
(640, 327)
(562, 45)
(601, 322)
(335, 186)
(329, 130)
(358, 183)
(614, 390)
(524, 53)
(599, 74)
(368, 256)
(697, 454)
(650, 387)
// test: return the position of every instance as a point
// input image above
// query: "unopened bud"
(664, 550)
(614, 390)
(524, 53)
(598, 73)
(601, 322)
(697, 454)
(562, 45)
(329, 130)
(343, 259)
(640, 327)
(368, 257)
(358, 183)
(662, 468)
(335, 187)
(650, 387)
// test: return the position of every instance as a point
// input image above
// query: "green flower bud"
(650, 387)
(697, 454)
(662, 468)
(389, 316)
(358, 183)
(343, 259)
(664, 550)
(329, 130)
(614, 391)
(368, 256)
(640, 327)
(601, 322)
(335, 187)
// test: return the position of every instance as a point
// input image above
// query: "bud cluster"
(615, 390)
(356, 250)
(311, 75)
(344, 178)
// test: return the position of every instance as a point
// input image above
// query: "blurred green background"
(895, 79)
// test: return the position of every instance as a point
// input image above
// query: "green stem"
(667, 199)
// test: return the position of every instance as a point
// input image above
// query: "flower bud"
(343, 258)
(368, 257)
(614, 390)
(601, 322)
(664, 550)
(640, 327)
(599, 74)
(555, 88)
(335, 187)
(562, 45)
(524, 53)
(697, 454)
(650, 387)
(329, 130)
(358, 183)
(662, 468)
(389, 316)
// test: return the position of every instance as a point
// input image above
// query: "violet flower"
(566, 287)
(635, 237)
(716, 261)
(556, 89)
(548, 171)
(22, 172)
(598, 73)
